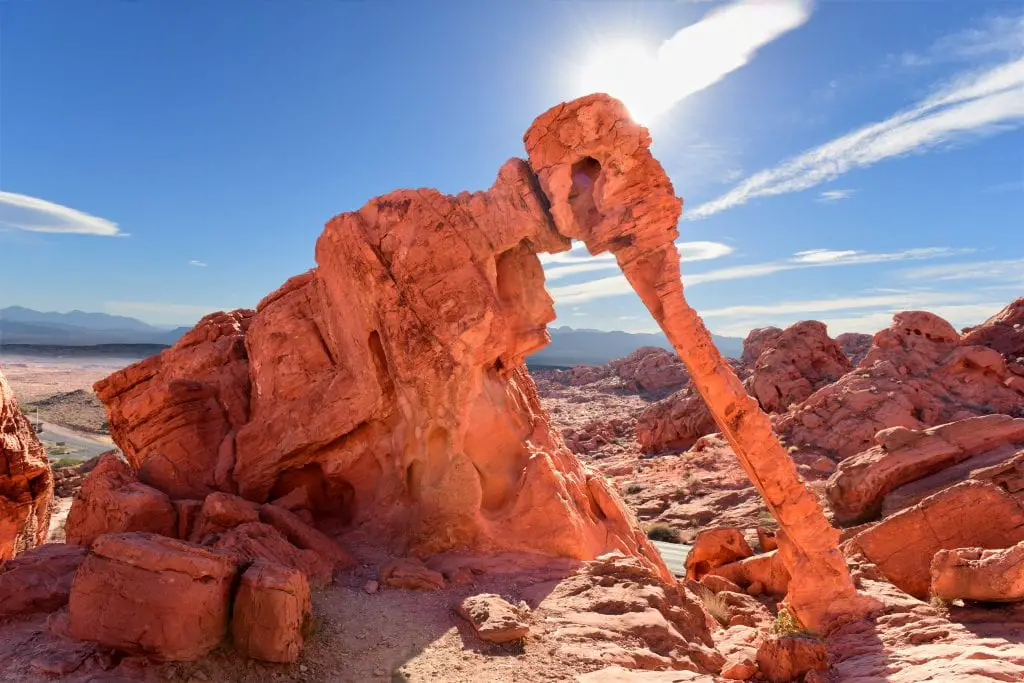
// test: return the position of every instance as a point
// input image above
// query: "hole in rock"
(585, 174)
(413, 476)
(328, 498)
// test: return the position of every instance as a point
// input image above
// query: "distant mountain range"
(25, 326)
(594, 347)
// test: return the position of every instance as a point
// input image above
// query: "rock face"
(26, 482)
(154, 595)
(794, 364)
(112, 500)
(855, 345)
(389, 383)
(713, 548)
(271, 609)
(904, 455)
(651, 370)
(674, 422)
(979, 574)
(970, 514)
(39, 579)
(605, 189)
(917, 374)
(756, 341)
(1003, 332)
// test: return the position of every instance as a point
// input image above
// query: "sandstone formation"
(904, 455)
(674, 422)
(713, 548)
(271, 609)
(26, 482)
(146, 593)
(788, 658)
(794, 364)
(979, 574)
(855, 345)
(756, 341)
(918, 374)
(38, 580)
(593, 165)
(970, 514)
(1003, 332)
(112, 500)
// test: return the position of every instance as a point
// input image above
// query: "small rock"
(495, 619)
(756, 588)
(410, 572)
(371, 587)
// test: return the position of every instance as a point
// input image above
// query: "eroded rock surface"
(26, 482)
(979, 574)
(271, 609)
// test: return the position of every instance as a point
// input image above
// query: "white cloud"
(22, 212)
(617, 285)
(903, 301)
(651, 82)
(702, 251)
(1010, 270)
(197, 264)
(835, 195)
(992, 35)
(973, 105)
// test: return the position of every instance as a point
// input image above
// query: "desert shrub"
(715, 605)
(634, 488)
(662, 532)
(64, 462)
(787, 625)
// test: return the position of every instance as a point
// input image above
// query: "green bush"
(662, 532)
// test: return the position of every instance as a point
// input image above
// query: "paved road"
(674, 555)
(82, 446)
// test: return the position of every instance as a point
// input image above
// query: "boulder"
(26, 482)
(903, 455)
(1003, 332)
(714, 547)
(304, 536)
(262, 543)
(787, 658)
(152, 595)
(651, 370)
(410, 572)
(112, 500)
(756, 341)
(978, 574)
(917, 375)
(766, 569)
(794, 364)
(223, 511)
(38, 580)
(855, 345)
(674, 422)
(175, 414)
(272, 608)
(494, 619)
(970, 514)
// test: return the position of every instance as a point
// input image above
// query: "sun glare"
(629, 72)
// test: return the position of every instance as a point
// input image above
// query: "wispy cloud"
(1011, 270)
(891, 301)
(835, 195)
(617, 285)
(22, 212)
(973, 105)
(989, 36)
(697, 56)
(197, 264)
(577, 260)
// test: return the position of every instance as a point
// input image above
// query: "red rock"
(26, 482)
(651, 370)
(970, 514)
(150, 594)
(978, 574)
(856, 490)
(223, 511)
(494, 619)
(38, 580)
(855, 345)
(304, 536)
(675, 422)
(713, 548)
(112, 500)
(1003, 332)
(256, 542)
(766, 569)
(410, 572)
(766, 540)
(787, 658)
(794, 364)
(717, 584)
(756, 342)
(272, 607)
(188, 513)
(175, 414)
(917, 375)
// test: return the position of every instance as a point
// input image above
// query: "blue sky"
(838, 160)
